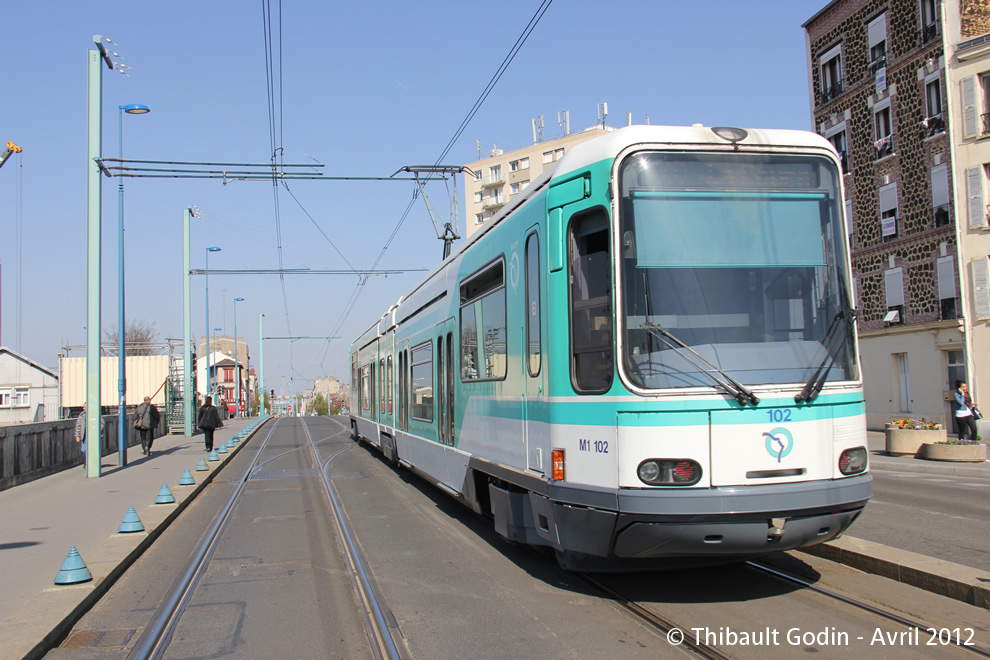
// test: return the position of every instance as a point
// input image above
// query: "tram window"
(450, 388)
(442, 392)
(591, 310)
(389, 386)
(533, 310)
(381, 386)
(483, 331)
(422, 382)
(365, 384)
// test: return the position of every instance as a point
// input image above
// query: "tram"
(648, 358)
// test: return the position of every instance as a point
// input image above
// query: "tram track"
(385, 641)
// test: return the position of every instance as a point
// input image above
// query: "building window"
(981, 288)
(831, 65)
(514, 188)
(495, 174)
(22, 396)
(523, 185)
(228, 373)
(934, 123)
(877, 30)
(479, 197)
(477, 175)
(947, 288)
(479, 218)
(940, 195)
(837, 136)
(4, 397)
(524, 163)
(929, 21)
(547, 157)
(884, 145)
(888, 212)
(893, 281)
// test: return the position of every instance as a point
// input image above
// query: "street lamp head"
(135, 109)
(212, 249)
(238, 299)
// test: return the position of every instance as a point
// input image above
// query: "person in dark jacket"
(146, 421)
(209, 421)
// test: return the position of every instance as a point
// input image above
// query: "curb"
(58, 600)
(962, 583)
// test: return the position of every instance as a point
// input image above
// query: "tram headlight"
(853, 461)
(669, 472)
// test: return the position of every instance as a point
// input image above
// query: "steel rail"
(155, 637)
(379, 619)
(873, 609)
(668, 627)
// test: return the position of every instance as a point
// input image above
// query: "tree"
(320, 405)
(139, 338)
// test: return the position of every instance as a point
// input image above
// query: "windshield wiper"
(814, 386)
(741, 393)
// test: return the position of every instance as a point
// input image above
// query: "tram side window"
(381, 386)
(389, 380)
(591, 312)
(533, 310)
(422, 382)
(483, 332)
(365, 384)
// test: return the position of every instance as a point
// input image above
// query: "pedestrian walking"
(965, 416)
(146, 421)
(80, 432)
(209, 421)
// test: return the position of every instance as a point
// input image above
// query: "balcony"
(831, 92)
(493, 180)
(929, 33)
(933, 126)
(492, 203)
(883, 147)
(940, 215)
(878, 64)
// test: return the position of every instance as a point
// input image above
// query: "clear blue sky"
(366, 88)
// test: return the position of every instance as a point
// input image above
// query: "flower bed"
(905, 437)
(965, 452)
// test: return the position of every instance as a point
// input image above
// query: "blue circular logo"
(779, 443)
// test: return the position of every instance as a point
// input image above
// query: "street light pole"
(133, 109)
(237, 366)
(261, 363)
(206, 276)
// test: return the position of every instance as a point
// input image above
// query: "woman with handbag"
(209, 421)
(965, 417)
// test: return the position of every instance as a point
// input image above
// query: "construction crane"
(11, 149)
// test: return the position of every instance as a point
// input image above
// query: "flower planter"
(976, 453)
(908, 442)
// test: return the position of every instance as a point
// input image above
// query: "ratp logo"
(779, 443)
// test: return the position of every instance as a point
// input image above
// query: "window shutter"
(888, 198)
(877, 30)
(946, 278)
(981, 294)
(969, 106)
(940, 186)
(893, 281)
(974, 196)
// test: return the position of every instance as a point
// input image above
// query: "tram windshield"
(740, 258)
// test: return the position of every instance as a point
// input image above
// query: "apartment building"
(891, 89)
(503, 175)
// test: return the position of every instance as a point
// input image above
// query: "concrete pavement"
(41, 520)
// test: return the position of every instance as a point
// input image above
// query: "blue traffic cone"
(186, 479)
(164, 495)
(73, 569)
(234, 440)
(221, 449)
(230, 444)
(131, 522)
(213, 456)
(202, 466)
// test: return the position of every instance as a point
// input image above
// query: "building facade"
(503, 175)
(28, 391)
(885, 92)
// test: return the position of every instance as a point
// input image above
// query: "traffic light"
(273, 394)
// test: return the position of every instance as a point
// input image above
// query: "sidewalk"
(42, 519)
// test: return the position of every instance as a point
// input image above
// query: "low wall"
(32, 451)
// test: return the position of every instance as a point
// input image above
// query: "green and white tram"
(647, 358)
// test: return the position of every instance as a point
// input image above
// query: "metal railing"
(933, 126)
(878, 64)
(831, 92)
(884, 147)
(929, 32)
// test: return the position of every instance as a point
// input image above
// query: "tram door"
(534, 410)
(388, 384)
